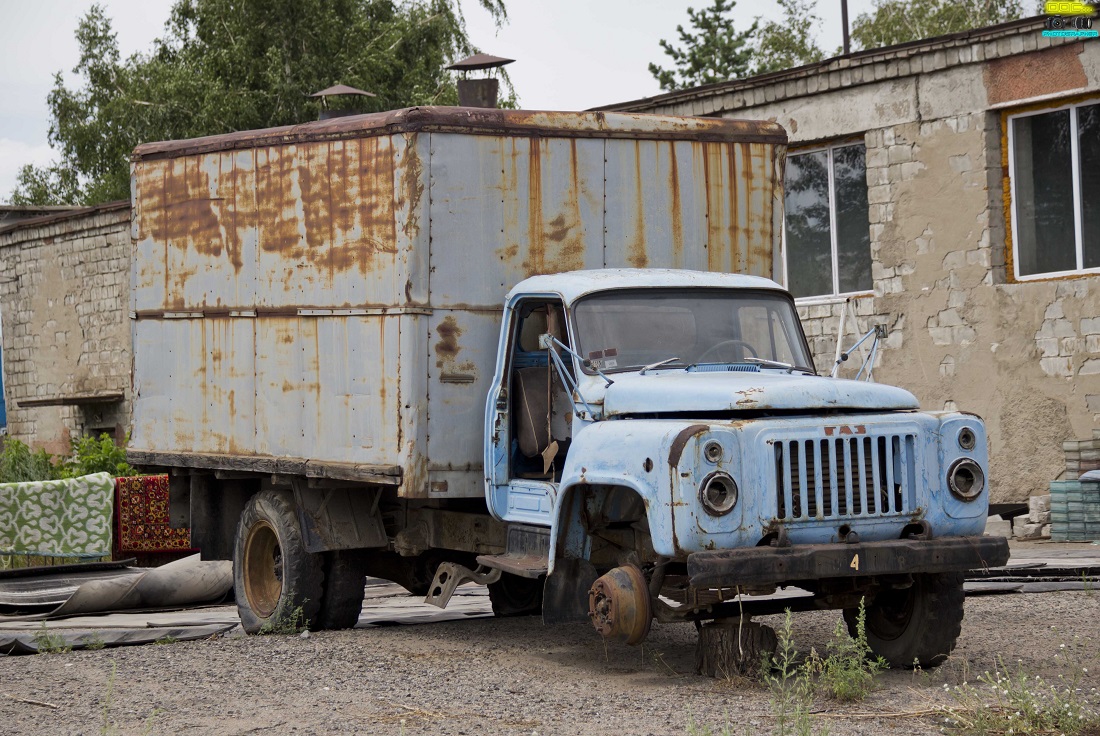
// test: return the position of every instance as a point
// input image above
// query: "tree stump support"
(733, 647)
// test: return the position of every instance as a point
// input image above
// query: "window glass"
(806, 220)
(1088, 137)
(630, 328)
(1043, 183)
(853, 232)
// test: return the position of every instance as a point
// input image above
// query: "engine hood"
(680, 391)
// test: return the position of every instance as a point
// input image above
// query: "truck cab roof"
(572, 285)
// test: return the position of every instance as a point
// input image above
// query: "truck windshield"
(633, 328)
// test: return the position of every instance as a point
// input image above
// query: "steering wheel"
(745, 347)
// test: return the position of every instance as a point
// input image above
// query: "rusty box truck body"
(322, 366)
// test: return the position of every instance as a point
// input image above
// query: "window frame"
(836, 295)
(1075, 172)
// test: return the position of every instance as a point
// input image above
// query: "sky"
(570, 54)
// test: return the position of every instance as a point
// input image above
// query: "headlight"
(966, 479)
(967, 440)
(712, 451)
(718, 494)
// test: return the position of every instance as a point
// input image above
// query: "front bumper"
(777, 565)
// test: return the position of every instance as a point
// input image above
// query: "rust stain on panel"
(636, 251)
(677, 222)
(447, 348)
(536, 256)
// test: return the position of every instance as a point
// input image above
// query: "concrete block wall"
(962, 333)
(64, 305)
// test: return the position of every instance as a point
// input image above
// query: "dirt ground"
(502, 676)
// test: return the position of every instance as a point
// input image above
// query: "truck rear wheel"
(345, 583)
(277, 583)
(513, 595)
(915, 625)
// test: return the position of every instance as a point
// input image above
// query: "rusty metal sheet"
(656, 197)
(479, 121)
(462, 355)
(543, 213)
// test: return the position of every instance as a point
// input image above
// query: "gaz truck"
(538, 351)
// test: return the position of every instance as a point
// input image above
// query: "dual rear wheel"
(280, 586)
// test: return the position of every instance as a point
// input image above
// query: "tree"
(228, 65)
(898, 21)
(789, 42)
(714, 52)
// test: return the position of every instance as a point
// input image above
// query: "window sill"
(1055, 276)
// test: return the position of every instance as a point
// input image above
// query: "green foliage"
(94, 642)
(788, 42)
(697, 729)
(229, 65)
(294, 622)
(1017, 702)
(19, 464)
(849, 669)
(50, 643)
(102, 455)
(898, 21)
(791, 683)
(712, 52)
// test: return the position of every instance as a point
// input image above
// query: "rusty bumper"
(768, 565)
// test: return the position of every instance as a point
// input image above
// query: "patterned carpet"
(51, 518)
(143, 520)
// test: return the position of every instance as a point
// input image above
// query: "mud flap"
(565, 594)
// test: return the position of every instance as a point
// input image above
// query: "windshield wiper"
(658, 364)
(765, 363)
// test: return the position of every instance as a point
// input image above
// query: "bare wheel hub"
(619, 605)
(263, 569)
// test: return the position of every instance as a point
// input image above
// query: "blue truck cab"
(659, 442)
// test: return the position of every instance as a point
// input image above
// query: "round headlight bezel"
(966, 479)
(712, 452)
(967, 439)
(718, 493)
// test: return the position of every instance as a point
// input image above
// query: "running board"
(527, 555)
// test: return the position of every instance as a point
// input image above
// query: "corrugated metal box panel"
(656, 200)
(460, 371)
(516, 206)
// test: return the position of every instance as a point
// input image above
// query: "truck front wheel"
(277, 583)
(513, 595)
(915, 625)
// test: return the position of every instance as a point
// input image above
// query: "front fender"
(639, 454)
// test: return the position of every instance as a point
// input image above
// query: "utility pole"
(844, 21)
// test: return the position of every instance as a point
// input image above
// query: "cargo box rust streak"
(325, 299)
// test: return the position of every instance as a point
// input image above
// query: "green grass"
(293, 623)
(49, 642)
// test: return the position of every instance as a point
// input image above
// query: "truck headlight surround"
(718, 493)
(966, 479)
(967, 439)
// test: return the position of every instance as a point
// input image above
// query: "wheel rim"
(263, 569)
(888, 618)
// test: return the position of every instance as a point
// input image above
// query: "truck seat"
(529, 406)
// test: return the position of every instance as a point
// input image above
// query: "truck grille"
(844, 477)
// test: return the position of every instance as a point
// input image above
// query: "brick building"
(941, 188)
(64, 295)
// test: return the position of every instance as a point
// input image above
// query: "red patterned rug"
(143, 522)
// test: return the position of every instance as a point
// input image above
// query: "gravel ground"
(509, 676)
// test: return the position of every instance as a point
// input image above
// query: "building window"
(1054, 167)
(826, 231)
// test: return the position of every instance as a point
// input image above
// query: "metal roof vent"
(478, 92)
(344, 93)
